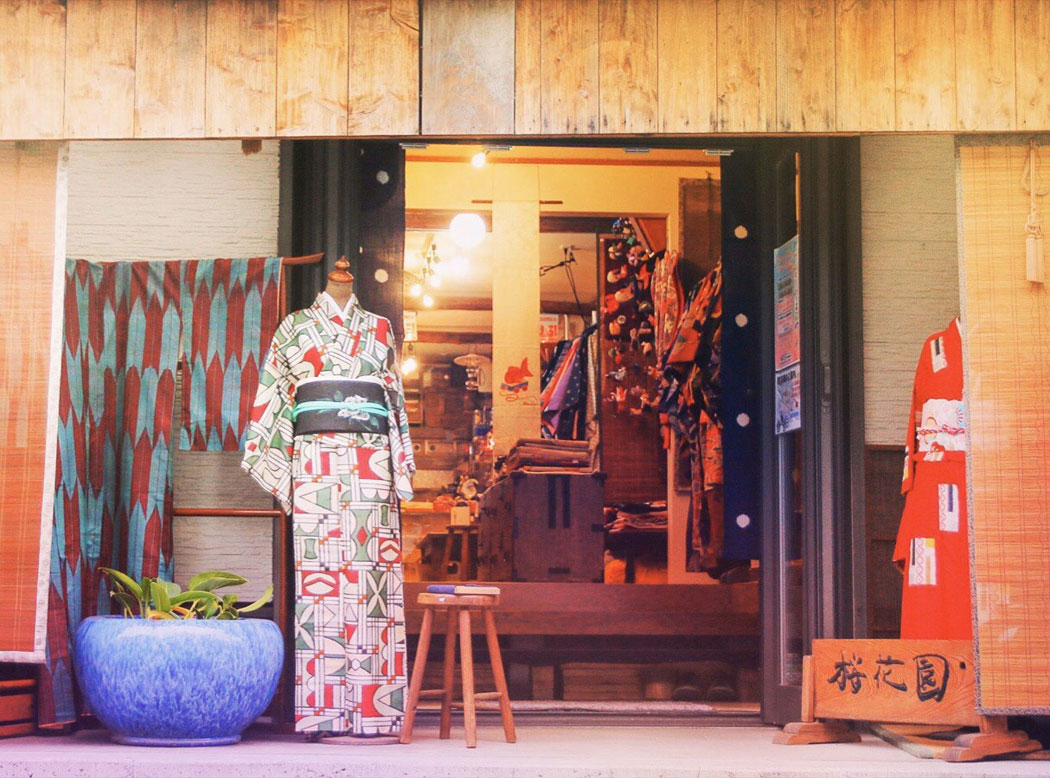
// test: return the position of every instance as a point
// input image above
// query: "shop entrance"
(633, 572)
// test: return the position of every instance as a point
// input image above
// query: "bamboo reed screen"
(28, 377)
(1007, 340)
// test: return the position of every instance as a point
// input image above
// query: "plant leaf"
(154, 615)
(170, 588)
(126, 601)
(193, 595)
(123, 580)
(215, 579)
(161, 600)
(265, 598)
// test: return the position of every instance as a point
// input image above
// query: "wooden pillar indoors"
(515, 304)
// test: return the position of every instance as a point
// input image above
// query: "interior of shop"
(564, 366)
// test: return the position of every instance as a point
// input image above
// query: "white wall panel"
(910, 266)
(132, 200)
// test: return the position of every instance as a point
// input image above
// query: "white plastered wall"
(134, 200)
(910, 268)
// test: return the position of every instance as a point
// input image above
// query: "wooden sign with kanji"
(900, 681)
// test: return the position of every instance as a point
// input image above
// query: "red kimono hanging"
(932, 547)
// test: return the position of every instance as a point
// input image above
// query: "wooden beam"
(443, 303)
(446, 336)
(597, 223)
(598, 609)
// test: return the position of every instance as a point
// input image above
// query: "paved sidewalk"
(550, 752)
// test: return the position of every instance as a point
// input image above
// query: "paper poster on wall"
(788, 400)
(550, 328)
(411, 326)
(785, 284)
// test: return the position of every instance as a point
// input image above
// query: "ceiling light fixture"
(467, 230)
(478, 160)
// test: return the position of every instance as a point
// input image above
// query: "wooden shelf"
(615, 609)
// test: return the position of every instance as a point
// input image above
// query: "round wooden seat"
(458, 608)
(458, 600)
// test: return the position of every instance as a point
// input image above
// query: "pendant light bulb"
(467, 230)
(428, 301)
(460, 266)
(409, 365)
(415, 290)
(478, 160)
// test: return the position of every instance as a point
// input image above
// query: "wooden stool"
(459, 607)
(465, 536)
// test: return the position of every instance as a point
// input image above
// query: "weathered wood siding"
(330, 68)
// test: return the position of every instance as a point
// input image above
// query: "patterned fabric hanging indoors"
(113, 476)
(229, 314)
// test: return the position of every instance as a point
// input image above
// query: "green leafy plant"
(152, 598)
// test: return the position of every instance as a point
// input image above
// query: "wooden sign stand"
(902, 682)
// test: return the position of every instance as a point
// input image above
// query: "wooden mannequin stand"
(898, 681)
(340, 287)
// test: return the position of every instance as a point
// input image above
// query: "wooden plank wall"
(208, 68)
(1006, 323)
(330, 68)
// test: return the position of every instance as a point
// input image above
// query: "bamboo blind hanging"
(1006, 323)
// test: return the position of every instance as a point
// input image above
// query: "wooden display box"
(17, 707)
(540, 527)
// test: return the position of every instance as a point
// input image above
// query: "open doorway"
(564, 364)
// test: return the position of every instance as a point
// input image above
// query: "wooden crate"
(542, 528)
(17, 707)
(592, 682)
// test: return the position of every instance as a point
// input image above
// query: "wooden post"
(449, 673)
(470, 722)
(419, 669)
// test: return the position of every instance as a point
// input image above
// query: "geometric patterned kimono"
(933, 549)
(342, 491)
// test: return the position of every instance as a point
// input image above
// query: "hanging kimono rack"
(244, 513)
(287, 262)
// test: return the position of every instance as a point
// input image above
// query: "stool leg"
(449, 674)
(418, 670)
(501, 680)
(446, 557)
(470, 722)
(464, 556)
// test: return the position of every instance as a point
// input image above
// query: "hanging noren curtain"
(113, 479)
(126, 326)
(229, 314)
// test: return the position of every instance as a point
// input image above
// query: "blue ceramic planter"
(177, 683)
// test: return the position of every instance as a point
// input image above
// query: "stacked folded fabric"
(540, 455)
(637, 517)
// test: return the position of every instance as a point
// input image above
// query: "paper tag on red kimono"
(948, 507)
(922, 567)
(937, 356)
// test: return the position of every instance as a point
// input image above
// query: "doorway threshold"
(621, 713)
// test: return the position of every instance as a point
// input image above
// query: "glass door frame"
(827, 213)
